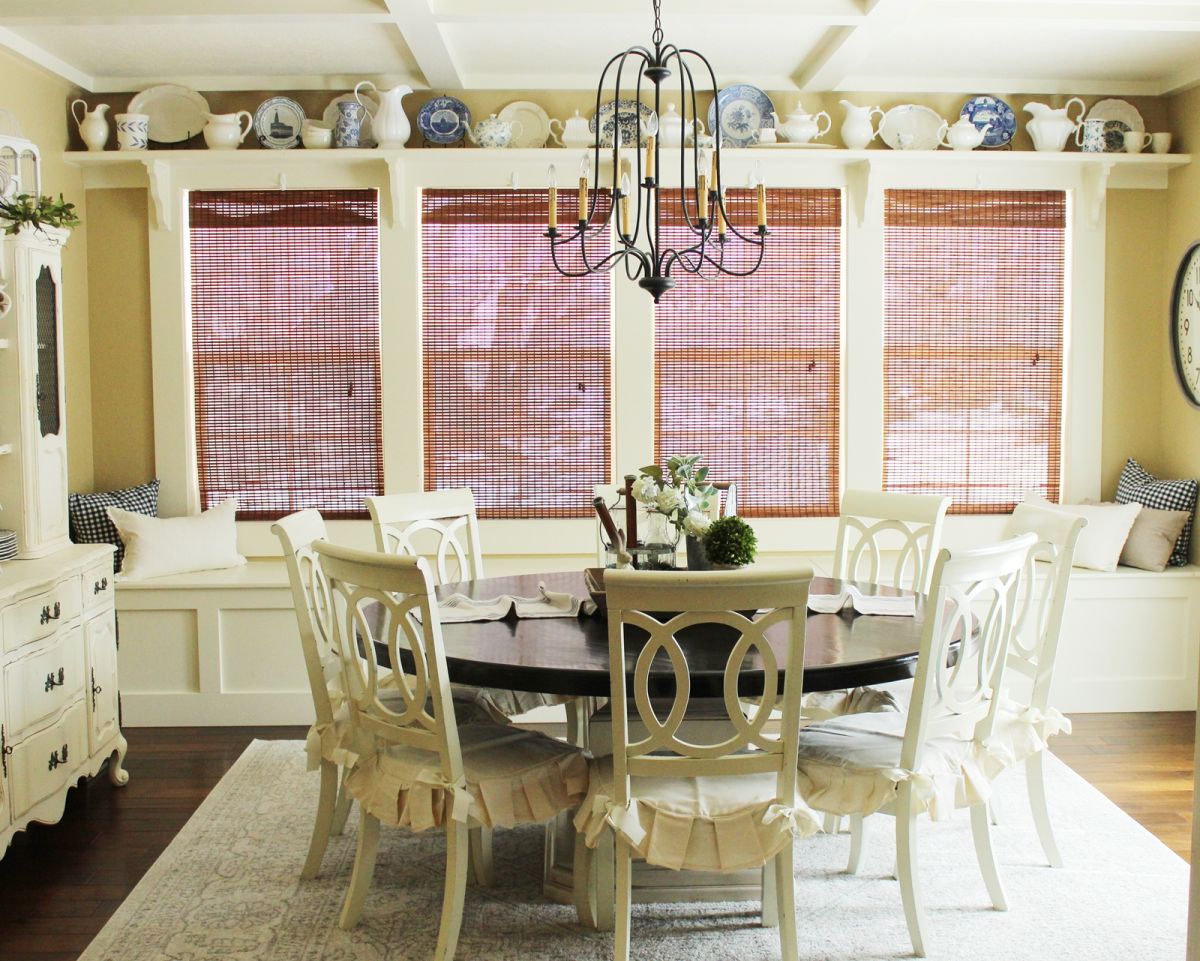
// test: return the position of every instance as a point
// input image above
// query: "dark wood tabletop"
(569, 655)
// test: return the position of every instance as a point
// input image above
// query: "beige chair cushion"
(823, 705)
(510, 777)
(723, 824)
(851, 765)
(1021, 732)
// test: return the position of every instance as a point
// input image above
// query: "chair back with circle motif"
(297, 534)
(382, 601)
(875, 525)
(439, 524)
(973, 600)
(743, 605)
(1042, 601)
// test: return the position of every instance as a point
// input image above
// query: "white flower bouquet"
(681, 493)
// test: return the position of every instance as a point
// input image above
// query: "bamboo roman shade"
(974, 285)
(285, 348)
(516, 358)
(747, 369)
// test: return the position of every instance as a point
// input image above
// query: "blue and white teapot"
(494, 132)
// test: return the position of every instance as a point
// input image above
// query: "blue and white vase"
(1090, 136)
(348, 129)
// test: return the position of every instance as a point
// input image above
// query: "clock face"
(1185, 324)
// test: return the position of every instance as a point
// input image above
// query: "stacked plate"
(8, 544)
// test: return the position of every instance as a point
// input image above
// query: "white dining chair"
(873, 526)
(417, 768)
(669, 795)
(932, 758)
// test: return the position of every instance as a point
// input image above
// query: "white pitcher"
(1050, 128)
(857, 128)
(224, 131)
(93, 127)
(389, 123)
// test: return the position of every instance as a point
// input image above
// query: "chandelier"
(698, 230)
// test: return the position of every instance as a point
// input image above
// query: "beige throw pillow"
(1152, 538)
(155, 546)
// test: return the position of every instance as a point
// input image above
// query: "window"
(285, 349)
(516, 359)
(747, 369)
(974, 295)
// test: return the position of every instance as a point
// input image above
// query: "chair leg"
(364, 868)
(481, 857)
(906, 867)
(457, 845)
(832, 824)
(770, 897)
(993, 811)
(323, 826)
(604, 857)
(1041, 812)
(584, 883)
(982, 832)
(785, 893)
(858, 843)
(344, 802)
(624, 900)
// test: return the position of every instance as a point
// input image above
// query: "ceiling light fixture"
(654, 241)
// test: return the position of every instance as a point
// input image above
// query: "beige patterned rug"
(227, 889)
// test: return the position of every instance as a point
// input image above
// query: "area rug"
(228, 889)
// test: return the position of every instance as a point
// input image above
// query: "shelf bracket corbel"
(158, 172)
(396, 189)
(858, 180)
(1095, 189)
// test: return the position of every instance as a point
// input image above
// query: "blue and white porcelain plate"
(444, 120)
(984, 110)
(277, 123)
(631, 112)
(744, 111)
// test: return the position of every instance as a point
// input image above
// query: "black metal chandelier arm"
(600, 267)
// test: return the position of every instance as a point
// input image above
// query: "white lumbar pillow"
(155, 546)
(1101, 540)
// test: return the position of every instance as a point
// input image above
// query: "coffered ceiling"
(1049, 46)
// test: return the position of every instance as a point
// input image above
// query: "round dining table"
(569, 655)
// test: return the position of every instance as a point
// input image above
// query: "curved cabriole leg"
(326, 809)
(624, 900)
(584, 888)
(785, 892)
(364, 868)
(457, 845)
(341, 810)
(1036, 782)
(481, 857)
(116, 772)
(982, 831)
(906, 867)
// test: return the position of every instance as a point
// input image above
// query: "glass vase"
(659, 541)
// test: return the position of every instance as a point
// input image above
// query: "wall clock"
(1185, 323)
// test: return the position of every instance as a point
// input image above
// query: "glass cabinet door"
(48, 411)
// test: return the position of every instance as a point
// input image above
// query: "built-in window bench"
(220, 647)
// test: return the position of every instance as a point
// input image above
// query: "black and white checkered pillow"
(1137, 486)
(89, 517)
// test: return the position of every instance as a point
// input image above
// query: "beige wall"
(40, 101)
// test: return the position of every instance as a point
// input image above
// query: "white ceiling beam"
(127, 12)
(844, 47)
(211, 82)
(423, 34)
(1183, 79)
(487, 11)
(43, 58)
(1145, 17)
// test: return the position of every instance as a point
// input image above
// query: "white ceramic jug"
(389, 123)
(672, 131)
(224, 131)
(573, 133)
(93, 127)
(964, 135)
(857, 128)
(801, 127)
(1050, 128)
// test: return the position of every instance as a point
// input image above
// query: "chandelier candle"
(552, 178)
(660, 234)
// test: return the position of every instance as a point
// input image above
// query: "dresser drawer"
(98, 586)
(41, 614)
(40, 684)
(45, 762)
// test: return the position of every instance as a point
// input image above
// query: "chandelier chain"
(658, 31)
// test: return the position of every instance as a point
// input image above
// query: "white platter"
(1120, 110)
(176, 113)
(366, 138)
(534, 123)
(911, 127)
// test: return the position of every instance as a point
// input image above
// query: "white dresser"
(59, 708)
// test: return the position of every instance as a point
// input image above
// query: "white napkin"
(865, 601)
(458, 608)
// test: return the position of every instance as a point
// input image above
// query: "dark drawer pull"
(100, 585)
(55, 760)
(47, 616)
(96, 689)
(51, 683)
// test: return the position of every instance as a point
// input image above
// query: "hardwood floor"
(60, 883)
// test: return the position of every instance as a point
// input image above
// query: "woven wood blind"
(285, 349)
(747, 368)
(516, 358)
(974, 288)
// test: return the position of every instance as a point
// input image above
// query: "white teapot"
(1050, 128)
(224, 131)
(672, 131)
(494, 132)
(963, 135)
(573, 133)
(801, 127)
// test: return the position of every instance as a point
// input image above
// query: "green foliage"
(38, 212)
(687, 478)
(730, 540)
